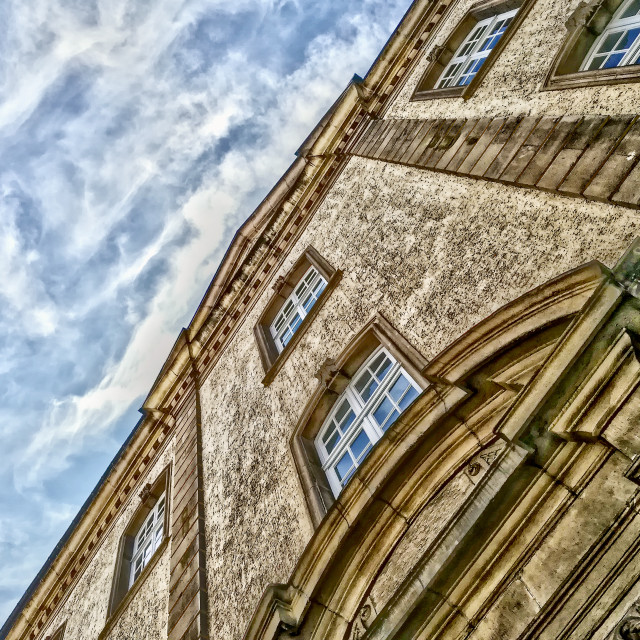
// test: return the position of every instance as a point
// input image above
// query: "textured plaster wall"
(85, 611)
(512, 86)
(435, 254)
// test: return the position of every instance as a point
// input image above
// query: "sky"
(135, 138)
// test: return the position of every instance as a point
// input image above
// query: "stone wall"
(512, 85)
(435, 254)
(145, 616)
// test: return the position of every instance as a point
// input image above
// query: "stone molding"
(592, 157)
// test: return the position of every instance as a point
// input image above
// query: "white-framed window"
(474, 50)
(619, 44)
(147, 539)
(296, 307)
(377, 394)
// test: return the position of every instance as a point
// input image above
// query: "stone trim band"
(595, 157)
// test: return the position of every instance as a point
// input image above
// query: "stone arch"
(468, 428)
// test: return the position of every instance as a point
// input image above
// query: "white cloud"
(141, 135)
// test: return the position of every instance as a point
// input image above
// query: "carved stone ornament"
(278, 284)
(331, 376)
(629, 629)
(435, 53)
(627, 272)
(582, 14)
(365, 617)
(145, 494)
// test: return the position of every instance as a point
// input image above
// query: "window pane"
(383, 410)
(332, 441)
(382, 367)
(286, 336)
(344, 466)
(609, 43)
(632, 10)
(360, 445)
(613, 60)
(366, 385)
(345, 407)
(470, 72)
(449, 75)
(398, 388)
(408, 398)
(475, 35)
(630, 37)
(497, 31)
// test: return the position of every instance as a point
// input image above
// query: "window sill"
(278, 363)
(438, 94)
(617, 75)
(124, 603)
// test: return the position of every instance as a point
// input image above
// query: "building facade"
(407, 406)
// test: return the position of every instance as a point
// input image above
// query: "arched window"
(141, 543)
(289, 312)
(619, 44)
(473, 51)
(602, 46)
(458, 66)
(361, 393)
(378, 393)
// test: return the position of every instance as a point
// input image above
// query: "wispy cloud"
(135, 138)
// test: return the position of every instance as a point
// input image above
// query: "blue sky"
(135, 137)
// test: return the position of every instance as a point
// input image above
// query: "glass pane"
(629, 38)
(495, 35)
(383, 410)
(609, 43)
(408, 398)
(332, 441)
(383, 368)
(295, 322)
(470, 72)
(344, 465)
(475, 35)
(632, 10)
(595, 63)
(308, 302)
(613, 60)
(393, 416)
(449, 75)
(367, 392)
(286, 336)
(344, 408)
(346, 423)
(360, 445)
(398, 388)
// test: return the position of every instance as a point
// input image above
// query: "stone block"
(594, 156)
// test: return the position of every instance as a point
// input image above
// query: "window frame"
(59, 633)
(271, 358)
(465, 56)
(122, 589)
(440, 56)
(616, 25)
(584, 28)
(144, 547)
(297, 299)
(364, 417)
(378, 331)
